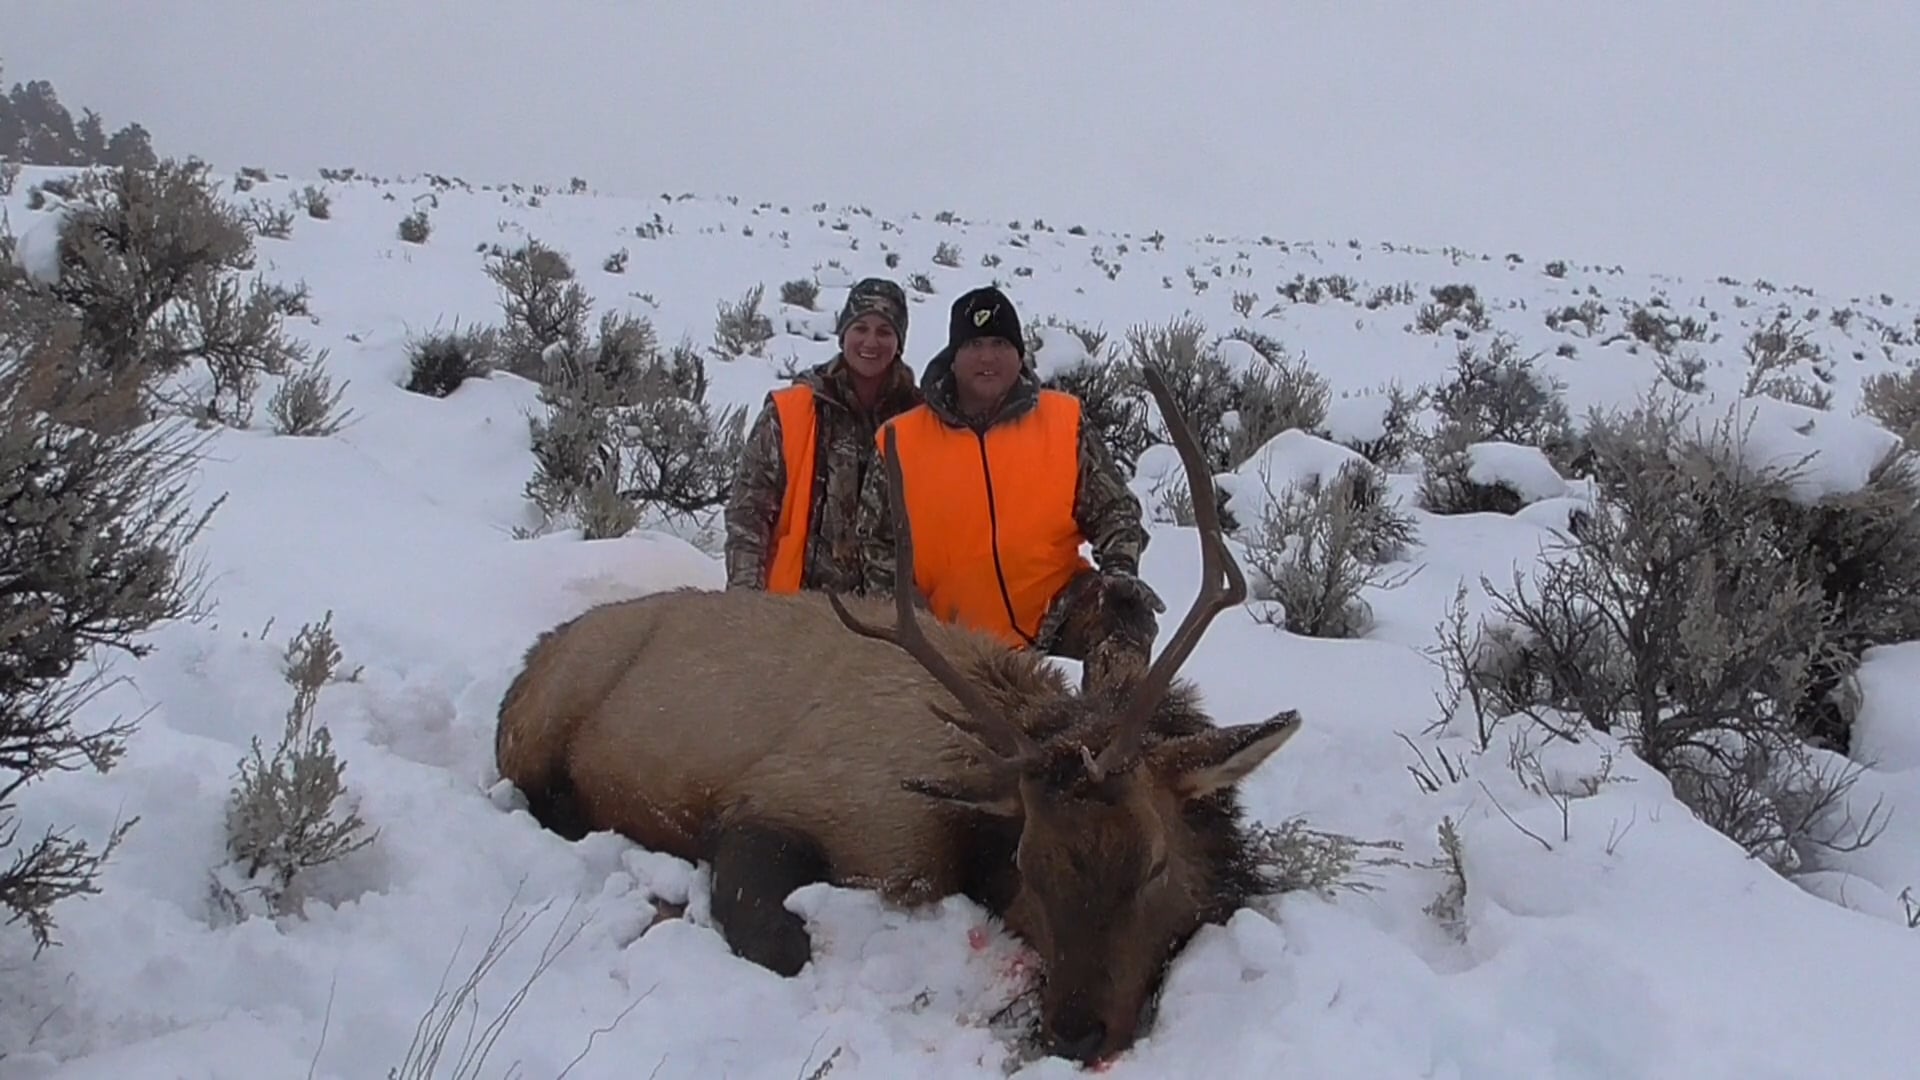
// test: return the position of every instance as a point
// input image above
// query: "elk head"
(1129, 838)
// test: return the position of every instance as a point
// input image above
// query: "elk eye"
(1157, 871)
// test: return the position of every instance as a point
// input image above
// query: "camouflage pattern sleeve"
(875, 529)
(1109, 515)
(753, 505)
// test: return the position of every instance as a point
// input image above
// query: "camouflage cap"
(876, 296)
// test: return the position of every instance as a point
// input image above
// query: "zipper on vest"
(993, 534)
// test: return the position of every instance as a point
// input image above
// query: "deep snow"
(1626, 940)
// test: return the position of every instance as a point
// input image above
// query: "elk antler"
(984, 723)
(1221, 586)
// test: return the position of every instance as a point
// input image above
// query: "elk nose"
(1079, 1038)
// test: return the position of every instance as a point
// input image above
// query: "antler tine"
(1222, 585)
(984, 723)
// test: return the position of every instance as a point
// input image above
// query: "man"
(791, 514)
(1004, 482)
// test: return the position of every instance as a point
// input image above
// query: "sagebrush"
(100, 518)
(1686, 615)
(149, 262)
(285, 814)
(1318, 547)
(628, 429)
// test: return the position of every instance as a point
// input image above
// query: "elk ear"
(999, 798)
(1196, 766)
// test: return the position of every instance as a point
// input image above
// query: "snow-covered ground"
(1621, 939)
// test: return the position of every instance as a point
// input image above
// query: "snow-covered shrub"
(268, 220)
(1893, 398)
(801, 293)
(1452, 303)
(682, 454)
(307, 401)
(1683, 371)
(1234, 408)
(1774, 352)
(1861, 550)
(1318, 546)
(147, 259)
(98, 520)
(1112, 401)
(415, 227)
(237, 337)
(1497, 669)
(1499, 397)
(1449, 905)
(1384, 434)
(1276, 392)
(1487, 477)
(1715, 642)
(1201, 383)
(1197, 375)
(1657, 326)
(1294, 857)
(315, 201)
(1589, 316)
(543, 304)
(740, 329)
(1093, 339)
(284, 814)
(136, 241)
(628, 428)
(626, 356)
(576, 458)
(291, 301)
(439, 362)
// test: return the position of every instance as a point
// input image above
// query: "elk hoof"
(779, 945)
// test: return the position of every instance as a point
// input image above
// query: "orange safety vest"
(789, 558)
(994, 540)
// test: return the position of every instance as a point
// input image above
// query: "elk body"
(753, 731)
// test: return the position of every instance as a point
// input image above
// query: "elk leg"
(557, 808)
(755, 867)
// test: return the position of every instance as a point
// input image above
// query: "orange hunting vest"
(789, 557)
(994, 540)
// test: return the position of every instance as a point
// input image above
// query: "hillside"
(1603, 931)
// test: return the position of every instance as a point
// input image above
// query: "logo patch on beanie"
(980, 317)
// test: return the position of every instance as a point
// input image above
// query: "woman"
(795, 500)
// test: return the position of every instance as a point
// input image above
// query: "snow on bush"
(285, 815)
(98, 523)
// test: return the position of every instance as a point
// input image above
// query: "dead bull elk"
(751, 731)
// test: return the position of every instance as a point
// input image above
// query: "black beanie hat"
(985, 312)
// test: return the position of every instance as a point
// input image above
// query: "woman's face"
(870, 345)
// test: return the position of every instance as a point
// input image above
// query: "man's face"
(984, 369)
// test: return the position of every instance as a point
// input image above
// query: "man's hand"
(1123, 588)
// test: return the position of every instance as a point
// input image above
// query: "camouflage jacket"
(1109, 515)
(842, 457)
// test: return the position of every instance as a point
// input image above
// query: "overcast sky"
(1753, 139)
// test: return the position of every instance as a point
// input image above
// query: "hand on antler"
(1126, 589)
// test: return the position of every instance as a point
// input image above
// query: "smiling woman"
(1640, 133)
(792, 513)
